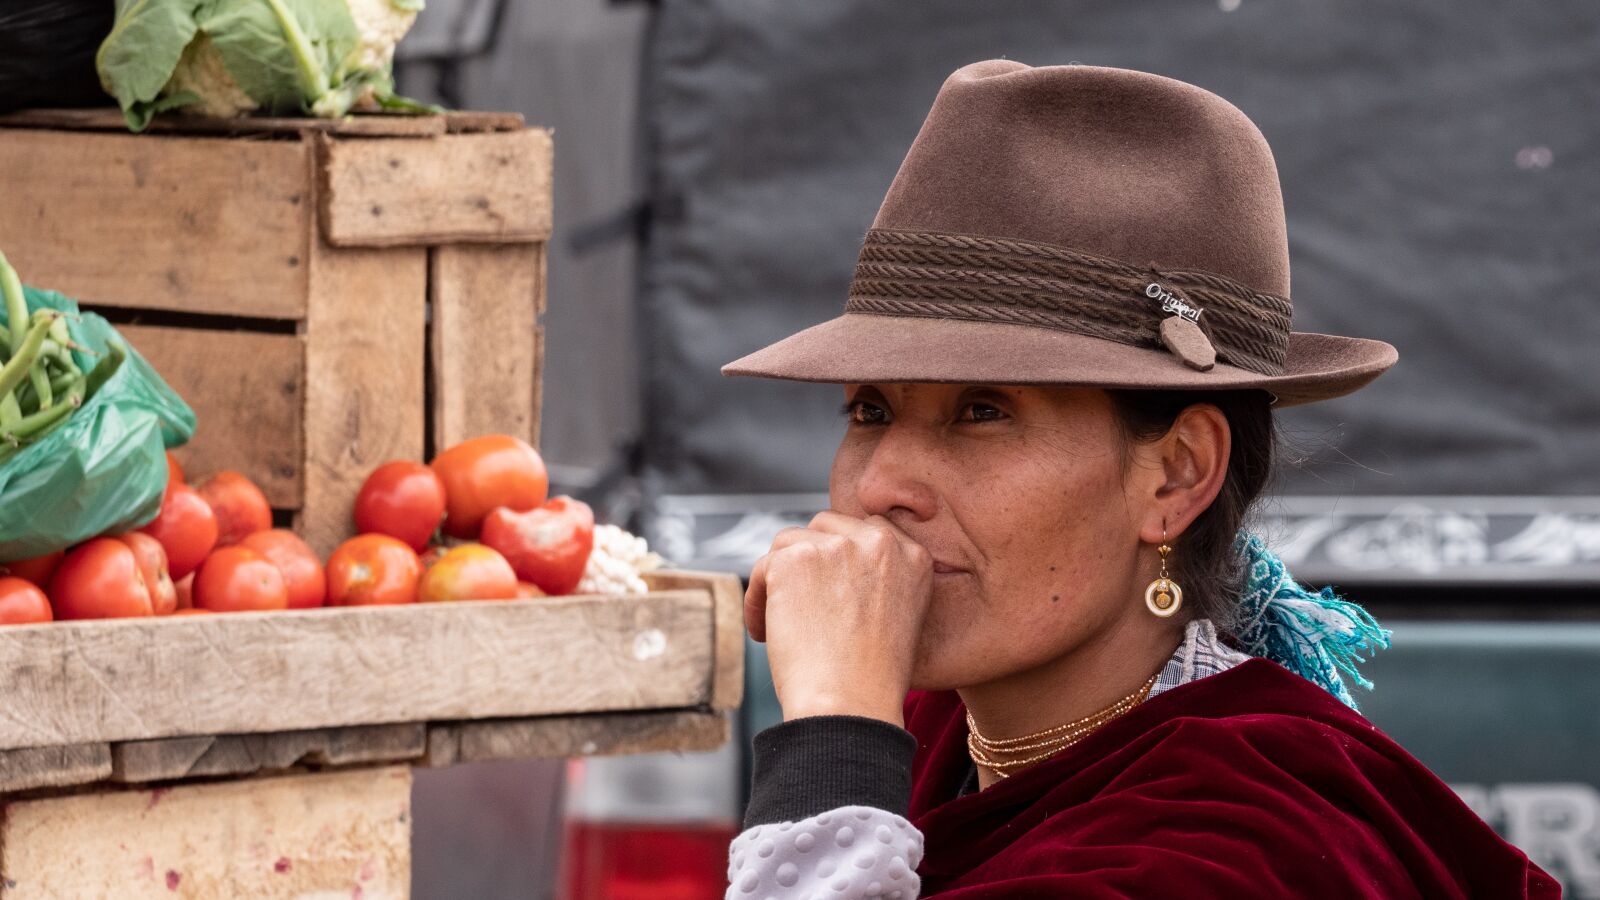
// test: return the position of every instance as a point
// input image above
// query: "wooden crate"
(280, 275)
(255, 754)
(333, 834)
(155, 699)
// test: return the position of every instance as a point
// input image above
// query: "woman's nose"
(898, 480)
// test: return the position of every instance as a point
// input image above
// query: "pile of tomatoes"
(475, 524)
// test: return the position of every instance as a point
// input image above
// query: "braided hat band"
(931, 274)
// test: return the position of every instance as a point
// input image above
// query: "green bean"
(10, 411)
(27, 351)
(31, 427)
(105, 368)
(16, 303)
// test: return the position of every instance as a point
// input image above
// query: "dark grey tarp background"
(1440, 163)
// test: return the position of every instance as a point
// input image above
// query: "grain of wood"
(538, 382)
(680, 731)
(248, 390)
(471, 121)
(25, 768)
(365, 345)
(337, 834)
(244, 754)
(483, 339)
(136, 679)
(365, 125)
(190, 224)
(492, 187)
(727, 592)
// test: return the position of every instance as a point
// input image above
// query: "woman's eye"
(981, 412)
(860, 412)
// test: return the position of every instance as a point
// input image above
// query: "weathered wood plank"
(492, 187)
(470, 121)
(569, 736)
(727, 592)
(34, 767)
(344, 834)
(538, 382)
(135, 679)
(248, 390)
(485, 357)
(192, 224)
(362, 124)
(365, 347)
(169, 759)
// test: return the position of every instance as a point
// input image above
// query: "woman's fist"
(840, 604)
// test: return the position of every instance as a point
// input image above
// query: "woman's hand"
(840, 604)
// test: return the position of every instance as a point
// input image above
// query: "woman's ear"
(1194, 457)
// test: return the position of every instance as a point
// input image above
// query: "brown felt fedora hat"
(1078, 225)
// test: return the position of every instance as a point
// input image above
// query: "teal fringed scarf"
(1314, 635)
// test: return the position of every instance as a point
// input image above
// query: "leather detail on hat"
(1185, 339)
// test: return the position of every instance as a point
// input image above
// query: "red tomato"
(302, 571)
(100, 579)
(22, 602)
(174, 470)
(37, 570)
(185, 589)
(468, 572)
(526, 591)
(403, 500)
(487, 472)
(234, 579)
(548, 546)
(192, 612)
(153, 567)
(372, 569)
(240, 506)
(186, 528)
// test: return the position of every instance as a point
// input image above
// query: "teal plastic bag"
(105, 470)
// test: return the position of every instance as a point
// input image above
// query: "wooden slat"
(191, 224)
(364, 124)
(169, 759)
(460, 187)
(333, 834)
(136, 679)
(365, 345)
(485, 350)
(471, 121)
(26, 768)
(727, 592)
(680, 731)
(248, 393)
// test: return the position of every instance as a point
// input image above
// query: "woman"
(1068, 328)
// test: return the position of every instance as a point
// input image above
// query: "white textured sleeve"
(845, 853)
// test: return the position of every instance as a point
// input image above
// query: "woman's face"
(1018, 493)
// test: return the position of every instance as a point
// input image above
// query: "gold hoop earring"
(1163, 596)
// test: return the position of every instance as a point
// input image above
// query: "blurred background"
(717, 164)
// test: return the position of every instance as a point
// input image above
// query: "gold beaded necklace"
(1006, 755)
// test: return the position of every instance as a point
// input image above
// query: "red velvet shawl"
(1252, 782)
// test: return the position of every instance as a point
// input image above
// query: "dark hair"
(1203, 562)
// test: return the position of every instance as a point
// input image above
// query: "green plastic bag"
(105, 469)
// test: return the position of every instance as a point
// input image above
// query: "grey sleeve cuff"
(849, 853)
(814, 764)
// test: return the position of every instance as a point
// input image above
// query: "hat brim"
(861, 348)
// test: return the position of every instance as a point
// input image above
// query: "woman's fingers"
(755, 602)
